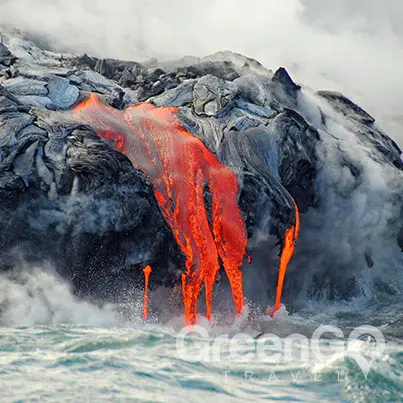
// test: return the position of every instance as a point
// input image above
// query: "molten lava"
(147, 271)
(288, 249)
(181, 169)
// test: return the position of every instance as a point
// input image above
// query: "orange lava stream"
(147, 271)
(286, 254)
(181, 168)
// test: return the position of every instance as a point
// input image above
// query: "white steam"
(358, 217)
(354, 46)
(38, 296)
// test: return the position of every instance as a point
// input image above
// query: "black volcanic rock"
(346, 106)
(282, 86)
(400, 239)
(6, 57)
(69, 198)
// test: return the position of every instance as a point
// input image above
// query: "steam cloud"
(356, 225)
(36, 296)
(354, 46)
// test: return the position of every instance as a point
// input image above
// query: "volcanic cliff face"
(108, 166)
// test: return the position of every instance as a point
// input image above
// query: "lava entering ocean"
(181, 169)
(147, 271)
(291, 235)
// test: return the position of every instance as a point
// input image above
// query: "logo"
(328, 344)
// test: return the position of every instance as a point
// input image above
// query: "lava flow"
(181, 169)
(147, 271)
(286, 254)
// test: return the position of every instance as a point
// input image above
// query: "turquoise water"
(55, 347)
(75, 363)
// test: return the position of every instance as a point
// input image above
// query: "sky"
(352, 46)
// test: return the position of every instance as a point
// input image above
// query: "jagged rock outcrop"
(69, 198)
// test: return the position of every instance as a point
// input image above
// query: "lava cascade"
(181, 168)
(147, 271)
(291, 235)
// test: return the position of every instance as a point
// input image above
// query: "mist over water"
(32, 296)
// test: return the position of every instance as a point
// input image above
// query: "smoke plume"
(351, 46)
